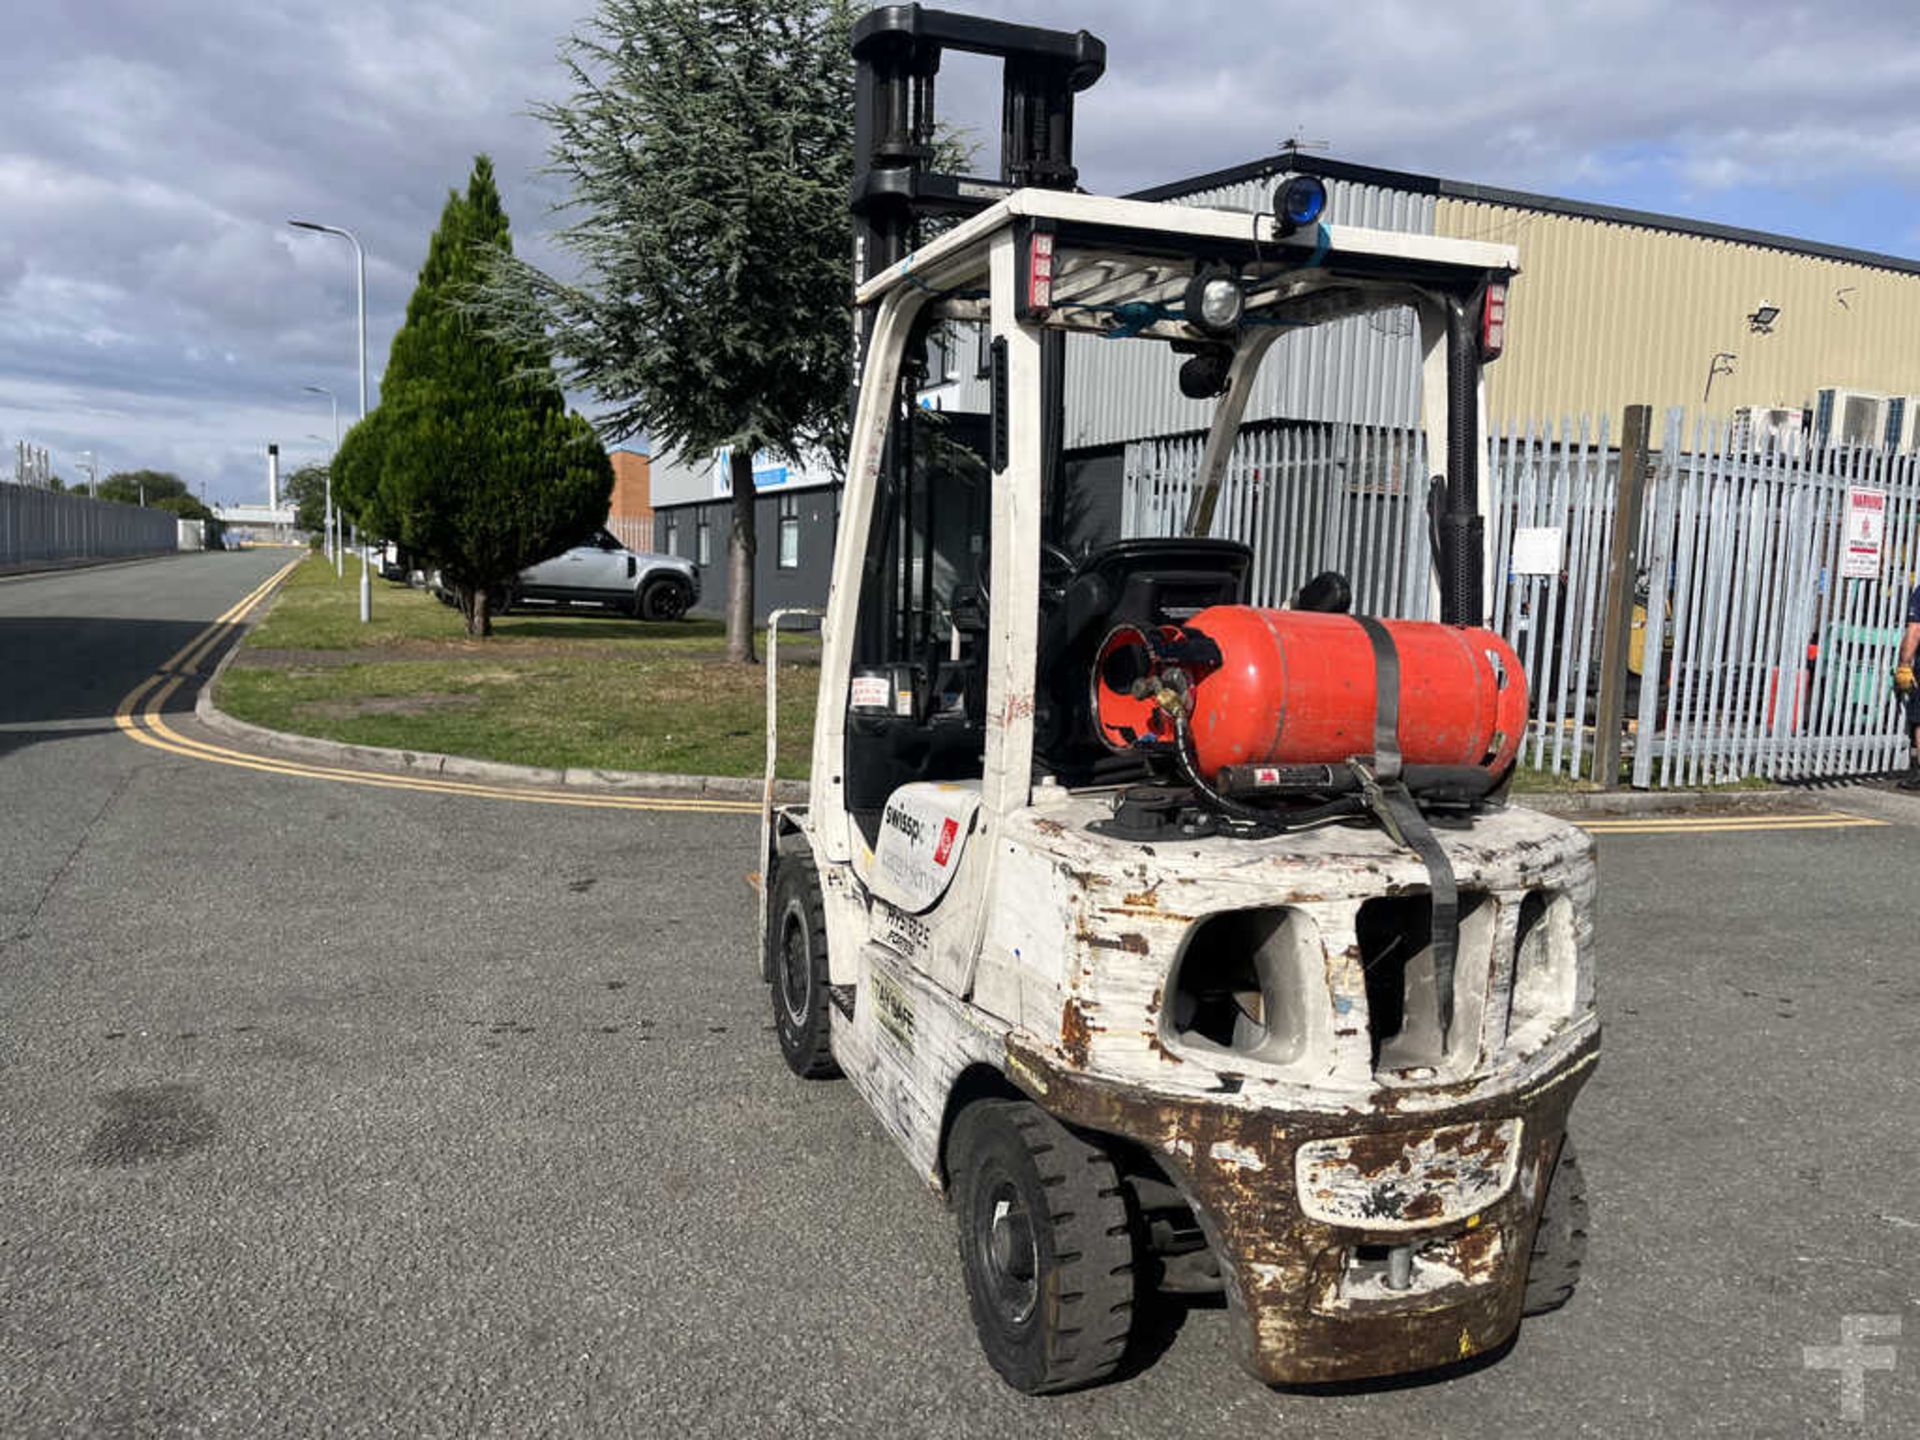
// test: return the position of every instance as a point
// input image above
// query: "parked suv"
(603, 572)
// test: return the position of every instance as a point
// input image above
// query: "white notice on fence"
(1866, 531)
(1536, 550)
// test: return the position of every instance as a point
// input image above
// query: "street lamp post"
(360, 293)
(93, 472)
(330, 551)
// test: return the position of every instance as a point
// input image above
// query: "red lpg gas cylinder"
(1293, 687)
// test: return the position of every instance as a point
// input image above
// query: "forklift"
(1183, 945)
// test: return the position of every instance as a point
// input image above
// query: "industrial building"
(796, 511)
(1790, 342)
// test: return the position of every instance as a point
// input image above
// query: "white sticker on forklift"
(871, 692)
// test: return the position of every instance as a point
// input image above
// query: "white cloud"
(157, 309)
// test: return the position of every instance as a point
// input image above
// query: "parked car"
(604, 573)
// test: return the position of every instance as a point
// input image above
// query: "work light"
(1214, 300)
(1300, 200)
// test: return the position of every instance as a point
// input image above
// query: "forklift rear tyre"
(1560, 1244)
(1046, 1245)
(798, 969)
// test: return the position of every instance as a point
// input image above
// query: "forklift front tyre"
(798, 965)
(1560, 1242)
(1046, 1244)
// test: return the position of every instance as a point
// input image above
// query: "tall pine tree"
(471, 459)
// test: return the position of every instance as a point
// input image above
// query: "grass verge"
(592, 691)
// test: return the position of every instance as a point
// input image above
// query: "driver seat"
(1160, 581)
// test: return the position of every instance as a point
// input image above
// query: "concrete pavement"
(339, 1110)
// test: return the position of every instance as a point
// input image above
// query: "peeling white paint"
(1243, 1157)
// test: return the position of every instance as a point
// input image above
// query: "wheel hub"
(1011, 1258)
(795, 968)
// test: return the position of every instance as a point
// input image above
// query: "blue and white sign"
(768, 473)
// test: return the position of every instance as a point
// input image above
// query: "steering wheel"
(1056, 567)
(1056, 562)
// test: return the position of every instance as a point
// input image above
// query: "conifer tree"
(708, 146)
(471, 459)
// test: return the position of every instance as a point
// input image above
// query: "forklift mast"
(896, 52)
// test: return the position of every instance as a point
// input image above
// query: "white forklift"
(1183, 945)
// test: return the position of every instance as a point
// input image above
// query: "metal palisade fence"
(1764, 630)
(44, 526)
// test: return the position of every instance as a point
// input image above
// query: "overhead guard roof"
(1121, 228)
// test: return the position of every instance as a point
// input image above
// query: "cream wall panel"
(1605, 315)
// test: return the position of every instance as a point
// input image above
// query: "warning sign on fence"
(1866, 531)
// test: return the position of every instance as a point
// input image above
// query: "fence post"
(1623, 566)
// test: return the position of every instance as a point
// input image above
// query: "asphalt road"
(340, 1111)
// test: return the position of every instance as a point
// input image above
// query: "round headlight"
(1214, 300)
(1300, 200)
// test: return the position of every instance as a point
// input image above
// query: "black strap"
(1388, 797)
(1386, 698)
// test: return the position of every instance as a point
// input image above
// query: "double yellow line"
(141, 717)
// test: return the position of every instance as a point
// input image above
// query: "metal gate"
(1753, 653)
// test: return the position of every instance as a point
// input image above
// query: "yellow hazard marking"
(140, 716)
(1726, 824)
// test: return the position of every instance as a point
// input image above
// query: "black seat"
(1145, 581)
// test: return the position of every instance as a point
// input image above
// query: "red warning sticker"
(942, 852)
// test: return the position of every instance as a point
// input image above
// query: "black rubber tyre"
(1560, 1244)
(1046, 1245)
(797, 967)
(664, 600)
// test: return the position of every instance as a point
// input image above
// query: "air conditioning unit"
(1849, 417)
(1781, 428)
(1902, 434)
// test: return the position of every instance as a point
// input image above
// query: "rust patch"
(1153, 1044)
(1477, 1253)
(1155, 1001)
(1286, 1272)
(1049, 827)
(1075, 1033)
(1134, 912)
(1133, 943)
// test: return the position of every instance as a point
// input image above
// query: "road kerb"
(461, 767)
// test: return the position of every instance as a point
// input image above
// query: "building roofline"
(1290, 161)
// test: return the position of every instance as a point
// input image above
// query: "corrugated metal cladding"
(1365, 370)
(1606, 315)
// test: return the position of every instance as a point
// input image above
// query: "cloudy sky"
(157, 310)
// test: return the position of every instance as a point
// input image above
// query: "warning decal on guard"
(923, 832)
